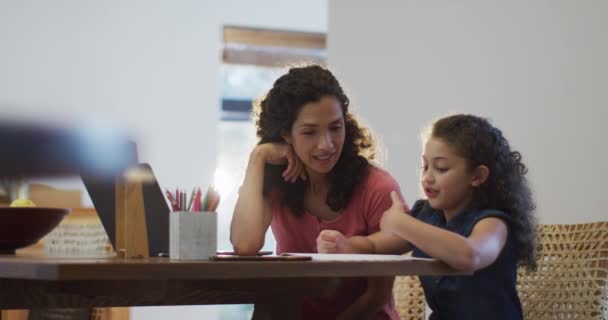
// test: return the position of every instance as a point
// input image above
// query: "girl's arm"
(379, 290)
(470, 254)
(385, 243)
(332, 241)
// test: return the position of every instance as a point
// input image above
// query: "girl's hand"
(394, 214)
(332, 241)
(282, 153)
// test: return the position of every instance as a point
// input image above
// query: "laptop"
(103, 195)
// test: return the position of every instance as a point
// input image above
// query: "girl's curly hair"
(277, 112)
(506, 188)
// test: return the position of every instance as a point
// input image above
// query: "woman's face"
(317, 135)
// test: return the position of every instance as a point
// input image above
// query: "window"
(252, 60)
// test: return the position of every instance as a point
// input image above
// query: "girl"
(310, 180)
(477, 217)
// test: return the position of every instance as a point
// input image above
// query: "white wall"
(148, 66)
(296, 15)
(538, 69)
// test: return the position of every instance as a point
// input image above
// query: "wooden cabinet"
(55, 314)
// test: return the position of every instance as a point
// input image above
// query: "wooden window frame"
(272, 48)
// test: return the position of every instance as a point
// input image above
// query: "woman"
(310, 179)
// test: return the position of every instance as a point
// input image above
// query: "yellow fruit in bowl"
(23, 203)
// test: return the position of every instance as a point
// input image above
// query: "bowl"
(23, 226)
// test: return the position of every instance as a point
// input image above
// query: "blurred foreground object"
(24, 226)
(12, 188)
(34, 149)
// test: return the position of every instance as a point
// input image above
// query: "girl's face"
(317, 135)
(445, 177)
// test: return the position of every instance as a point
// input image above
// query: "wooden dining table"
(36, 281)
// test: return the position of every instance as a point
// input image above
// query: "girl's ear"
(480, 175)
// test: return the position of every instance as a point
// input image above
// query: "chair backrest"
(409, 298)
(571, 280)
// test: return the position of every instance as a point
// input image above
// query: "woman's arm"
(470, 254)
(252, 214)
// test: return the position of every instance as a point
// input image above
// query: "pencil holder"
(192, 235)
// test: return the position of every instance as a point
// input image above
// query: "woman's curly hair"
(279, 109)
(506, 188)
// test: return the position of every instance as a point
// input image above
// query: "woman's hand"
(392, 216)
(332, 241)
(282, 153)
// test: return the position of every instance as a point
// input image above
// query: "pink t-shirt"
(360, 218)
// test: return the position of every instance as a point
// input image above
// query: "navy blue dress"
(489, 293)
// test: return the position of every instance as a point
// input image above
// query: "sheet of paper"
(354, 257)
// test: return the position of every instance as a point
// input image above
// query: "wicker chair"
(409, 298)
(571, 281)
(572, 277)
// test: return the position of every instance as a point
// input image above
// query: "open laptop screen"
(103, 196)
